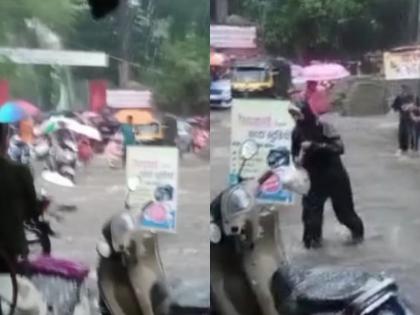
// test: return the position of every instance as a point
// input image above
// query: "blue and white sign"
(156, 197)
(270, 125)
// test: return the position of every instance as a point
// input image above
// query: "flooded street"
(386, 192)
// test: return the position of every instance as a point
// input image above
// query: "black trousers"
(404, 135)
(334, 184)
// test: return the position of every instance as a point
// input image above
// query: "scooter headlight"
(236, 204)
(121, 227)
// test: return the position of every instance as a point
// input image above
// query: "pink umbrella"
(325, 72)
(29, 108)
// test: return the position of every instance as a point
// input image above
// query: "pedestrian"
(127, 131)
(18, 202)
(402, 104)
(415, 126)
(317, 147)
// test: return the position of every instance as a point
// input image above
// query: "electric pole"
(124, 30)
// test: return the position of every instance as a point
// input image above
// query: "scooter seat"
(318, 290)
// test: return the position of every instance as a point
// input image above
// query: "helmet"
(278, 157)
(164, 193)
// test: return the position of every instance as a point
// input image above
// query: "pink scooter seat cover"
(59, 267)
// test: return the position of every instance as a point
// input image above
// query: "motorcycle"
(38, 232)
(250, 273)
(62, 161)
(131, 278)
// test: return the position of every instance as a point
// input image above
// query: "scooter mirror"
(133, 183)
(103, 249)
(249, 149)
(44, 192)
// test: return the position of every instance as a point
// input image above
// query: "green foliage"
(182, 84)
(329, 27)
(169, 49)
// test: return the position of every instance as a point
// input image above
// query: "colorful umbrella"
(217, 59)
(140, 117)
(325, 72)
(11, 113)
(29, 108)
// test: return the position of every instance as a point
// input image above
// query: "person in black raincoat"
(402, 104)
(317, 147)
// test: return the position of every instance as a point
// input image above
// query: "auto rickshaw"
(269, 77)
(147, 127)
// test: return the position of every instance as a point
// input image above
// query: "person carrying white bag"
(317, 147)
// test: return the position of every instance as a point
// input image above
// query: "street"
(99, 194)
(386, 192)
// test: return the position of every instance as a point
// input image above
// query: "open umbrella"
(217, 59)
(140, 117)
(11, 113)
(53, 124)
(29, 108)
(325, 72)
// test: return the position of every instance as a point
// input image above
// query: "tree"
(329, 28)
(182, 84)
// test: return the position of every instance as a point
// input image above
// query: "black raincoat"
(329, 178)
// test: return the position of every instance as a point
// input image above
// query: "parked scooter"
(250, 273)
(131, 279)
(39, 231)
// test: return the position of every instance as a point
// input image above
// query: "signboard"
(270, 125)
(129, 99)
(223, 36)
(55, 57)
(156, 197)
(402, 64)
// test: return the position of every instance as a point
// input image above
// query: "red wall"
(97, 95)
(4, 91)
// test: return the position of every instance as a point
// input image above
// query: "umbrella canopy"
(52, 124)
(29, 108)
(325, 72)
(217, 59)
(140, 117)
(11, 113)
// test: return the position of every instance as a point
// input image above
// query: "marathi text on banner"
(156, 198)
(270, 125)
(224, 36)
(402, 64)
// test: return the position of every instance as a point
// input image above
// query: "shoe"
(313, 244)
(355, 240)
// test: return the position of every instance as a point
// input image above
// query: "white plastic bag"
(296, 179)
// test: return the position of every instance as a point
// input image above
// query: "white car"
(221, 94)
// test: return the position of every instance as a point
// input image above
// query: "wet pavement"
(387, 196)
(99, 194)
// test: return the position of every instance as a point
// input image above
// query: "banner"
(225, 36)
(129, 99)
(55, 57)
(156, 197)
(270, 125)
(402, 64)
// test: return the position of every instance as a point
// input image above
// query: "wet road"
(100, 194)
(387, 196)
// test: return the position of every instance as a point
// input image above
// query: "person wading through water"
(317, 147)
(403, 104)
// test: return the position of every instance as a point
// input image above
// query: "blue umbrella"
(11, 113)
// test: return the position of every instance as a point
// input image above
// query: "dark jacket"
(18, 203)
(400, 101)
(326, 148)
